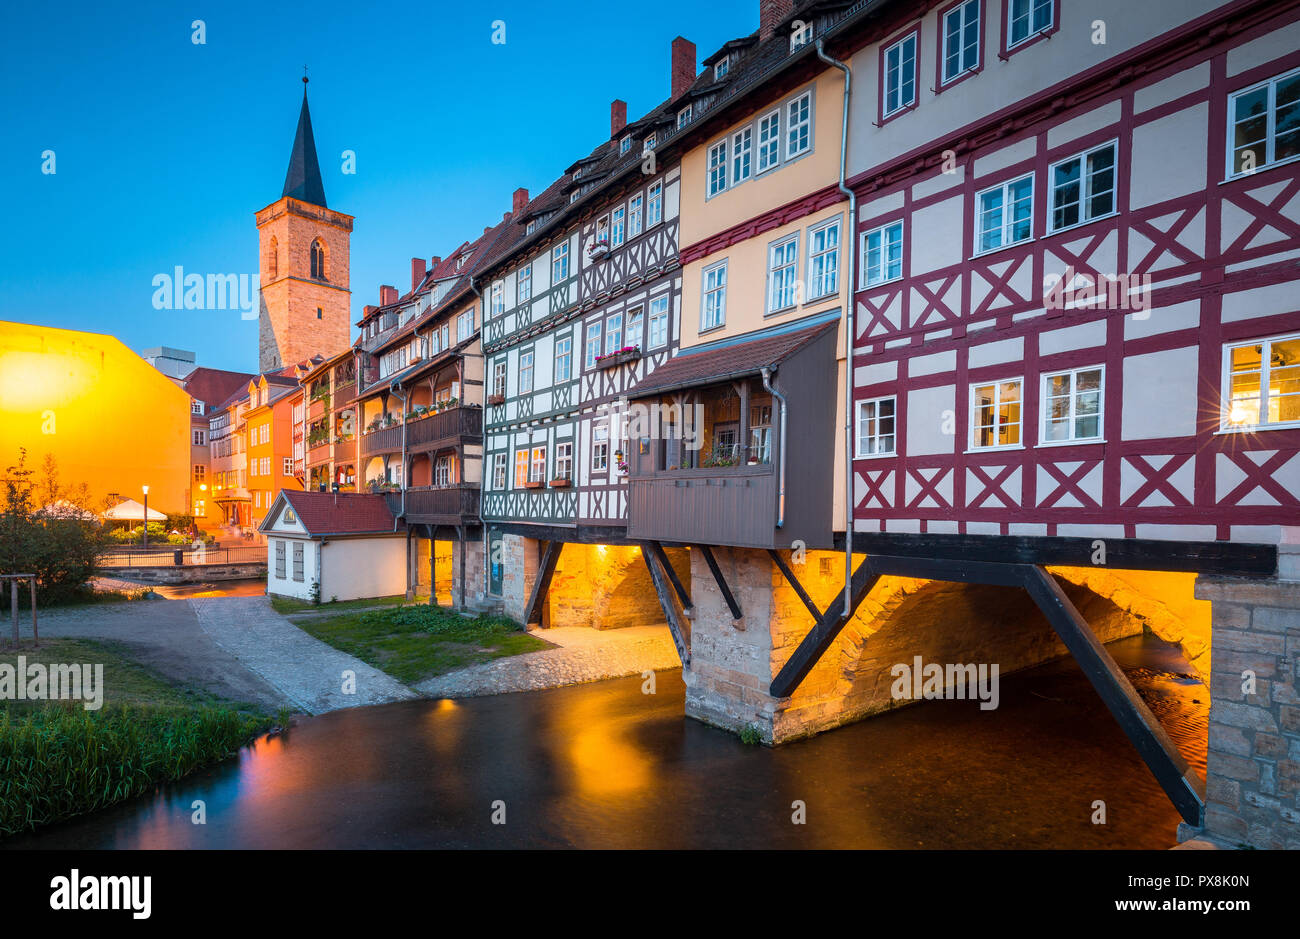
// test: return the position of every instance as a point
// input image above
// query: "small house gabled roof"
(325, 514)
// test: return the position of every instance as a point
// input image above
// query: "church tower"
(303, 246)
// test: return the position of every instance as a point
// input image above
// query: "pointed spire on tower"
(303, 181)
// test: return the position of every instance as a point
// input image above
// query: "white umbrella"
(62, 508)
(132, 511)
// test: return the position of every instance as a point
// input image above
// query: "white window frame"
(499, 477)
(717, 169)
(617, 227)
(963, 23)
(886, 88)
(526, 368)
(599, 456)
(500, 379)
(794, 127)
(464, 326)
(1085, 187)
(718, 290)
(525, 279)
(634, 215)
(876, 435)
(864, 278)
(287, 467)
(1044, 414)
(1225, 424)
(537, 464)
(721, 68)
(560, 262)
(654, 213)
(624, 145)
(634, 324)
(1029, 13)
(830, 290)
(613, 333)
(684, 116)
(1270, 126)
(1005, 230)
(781, 244)
(972, 446)
(657, 322)
(742, 155)
(564, 459)
(592, 343)
(498, 298)
(769, 142)
(563, 353)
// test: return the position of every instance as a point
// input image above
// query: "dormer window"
(460, 262)
(684, 116)
(721, 68)
(530, 227)
(651, 141)
(803, 32)
(624, 145)
(573, 196)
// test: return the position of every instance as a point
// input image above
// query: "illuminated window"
(521, 468)
(995, 414)
(1261, 384)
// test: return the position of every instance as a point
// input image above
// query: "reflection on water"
(603, 765)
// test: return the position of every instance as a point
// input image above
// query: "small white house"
(346, 542)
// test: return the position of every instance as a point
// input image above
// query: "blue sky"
(165, 149)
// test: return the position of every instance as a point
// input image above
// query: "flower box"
(533, 484)
(597, 250)
(560, 484)
(613, 359)
(496, 399)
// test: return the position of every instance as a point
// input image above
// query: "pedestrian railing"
(178, 556)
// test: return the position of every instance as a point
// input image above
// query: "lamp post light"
(146, 516)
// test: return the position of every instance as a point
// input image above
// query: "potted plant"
(598, 248)
(618, 357)
(496, 399)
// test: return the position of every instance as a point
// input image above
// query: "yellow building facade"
(108, 417)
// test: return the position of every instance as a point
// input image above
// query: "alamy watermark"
(37, 681)
(954, 681)
(181, 291)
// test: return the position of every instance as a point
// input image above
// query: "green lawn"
(59, 760)
(289, 605)
(413, 643)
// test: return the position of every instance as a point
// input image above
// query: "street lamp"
(146, 516)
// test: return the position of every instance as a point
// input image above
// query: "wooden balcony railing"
(425, 432)
(732, 506)
(442, 505)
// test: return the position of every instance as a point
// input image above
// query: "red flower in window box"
(496, 399)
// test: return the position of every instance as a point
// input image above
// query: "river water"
(605, 766)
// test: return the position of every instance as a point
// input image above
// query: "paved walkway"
(581, 655)
(165, 635)
(310, 673)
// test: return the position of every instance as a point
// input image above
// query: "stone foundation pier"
(1253, 763)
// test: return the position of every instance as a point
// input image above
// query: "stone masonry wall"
(607, 587)
(733, 664)
(1253, 764)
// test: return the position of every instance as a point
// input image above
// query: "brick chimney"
(417, 272)
(684, 68)
(387, 295)
(617, 117)
(771, 12)
(520, 201)
(366, 313)
(434, 262)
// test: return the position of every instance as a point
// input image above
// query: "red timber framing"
(923, 337)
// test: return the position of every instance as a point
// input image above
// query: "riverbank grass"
(413, 643)
(59, 760)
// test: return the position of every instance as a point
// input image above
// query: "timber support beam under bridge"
(1173, 773)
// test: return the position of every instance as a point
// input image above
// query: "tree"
(61, 552)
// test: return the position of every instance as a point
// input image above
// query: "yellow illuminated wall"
(110, 419)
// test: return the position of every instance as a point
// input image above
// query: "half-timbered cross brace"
(651, 552)
(722, 581)
(1160, 754)
(545, 571)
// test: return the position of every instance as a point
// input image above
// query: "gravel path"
(165, 636)
(310, 673)
(581, 655)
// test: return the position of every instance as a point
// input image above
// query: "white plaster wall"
(353, 568)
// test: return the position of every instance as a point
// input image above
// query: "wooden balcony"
(446, 428)
(320, 453)
(315, 409)
(456, 504)
(727, 505)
